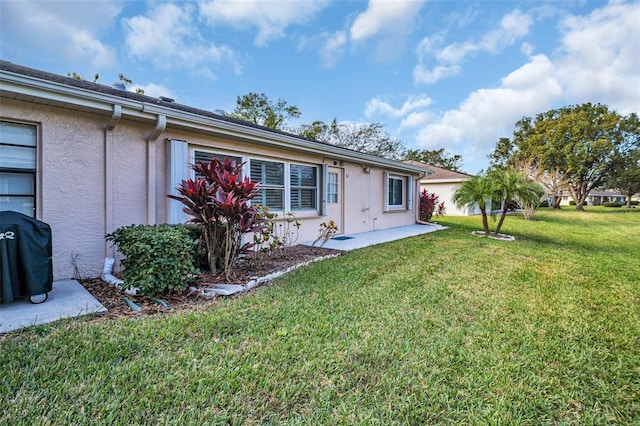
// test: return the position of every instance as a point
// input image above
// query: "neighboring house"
(87, 159)
(444, 183)
(597, 198)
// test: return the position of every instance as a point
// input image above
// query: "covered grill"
(26, 266)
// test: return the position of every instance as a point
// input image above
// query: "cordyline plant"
(430, 205)
(219, 203)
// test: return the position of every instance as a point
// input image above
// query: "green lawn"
(443, 328)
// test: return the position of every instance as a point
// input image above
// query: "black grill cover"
(26, 266)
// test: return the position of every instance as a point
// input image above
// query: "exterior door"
(335, 200)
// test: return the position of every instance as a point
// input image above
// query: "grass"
(443, 328)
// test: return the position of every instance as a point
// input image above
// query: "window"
(17, 167)
(206, 157)
(304, 187)
(396, 191)
(270, 174)
(332, 188)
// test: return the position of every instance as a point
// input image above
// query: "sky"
(437, 74)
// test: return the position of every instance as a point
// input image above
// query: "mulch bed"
(248, 269)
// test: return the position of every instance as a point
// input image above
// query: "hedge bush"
(158, 259)
(634, 202)
(572, 202)
(612, 204)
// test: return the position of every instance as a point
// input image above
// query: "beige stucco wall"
(74, 173)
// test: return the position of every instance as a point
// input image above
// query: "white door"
(335, 197)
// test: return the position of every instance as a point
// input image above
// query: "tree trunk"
(556, 201)
(502, 216)
(209, 239)
(485, 222)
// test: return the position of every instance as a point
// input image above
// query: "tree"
(476, 192)
(574, 145)
(551, 181)
(258, 109)
(436, 157)
(625, 177)
(512, 185)
(370, 138)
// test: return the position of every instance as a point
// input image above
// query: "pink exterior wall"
(72, 185)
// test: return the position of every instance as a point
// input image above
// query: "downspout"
(108, 172)
(416, 206)
(161, 124)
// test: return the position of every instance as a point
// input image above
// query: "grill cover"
(26, 266)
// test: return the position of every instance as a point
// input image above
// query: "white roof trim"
(32, 89)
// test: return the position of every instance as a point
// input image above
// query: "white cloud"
(599, 57)
(488, 114)
(152, 89)
(416, 119)
(421, 75)
(271, 18)
(378, 107)
(383, 16)
(332, 48)
(527, 48)
(71, 29)
(388, 23)
(513, 27)
(597, 61)
(167, 37)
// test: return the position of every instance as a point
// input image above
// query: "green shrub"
(635, 202)
(572, 202)
(158, 259)
(612, 204)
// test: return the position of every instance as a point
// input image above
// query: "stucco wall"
(76, 155)
(445, 191)
(70, 183)
(363, 191)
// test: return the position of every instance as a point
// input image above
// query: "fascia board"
(225, 128)
(456, 180)
(54, 93)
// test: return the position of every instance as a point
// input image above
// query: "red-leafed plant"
(219, 203)
(430, 205)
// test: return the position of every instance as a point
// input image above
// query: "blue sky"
(438, 74)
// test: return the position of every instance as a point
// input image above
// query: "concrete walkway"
(70, 299)
(67, 299)
(355, 241)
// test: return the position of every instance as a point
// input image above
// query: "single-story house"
(597, 198)
(88, 158)
(444, 183)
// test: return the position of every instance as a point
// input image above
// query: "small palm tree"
(476, 191)
(512, 185)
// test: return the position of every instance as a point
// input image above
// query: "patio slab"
(355, 241)
(67, 299)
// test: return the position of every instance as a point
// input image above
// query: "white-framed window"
(270, 174)
(332, 188)
(18, 167)
(303, 189)
(396, 192)
(207, 156)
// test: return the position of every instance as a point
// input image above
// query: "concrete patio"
(355, 241)
(70, 299)
(67, 299)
